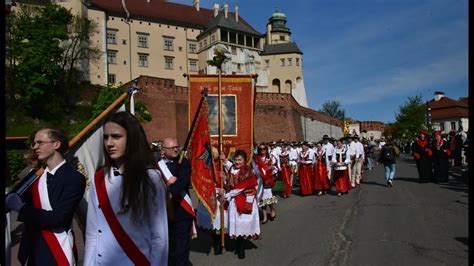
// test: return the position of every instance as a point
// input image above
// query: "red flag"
(199, 153)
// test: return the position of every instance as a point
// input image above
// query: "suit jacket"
(183, 175)
(65, 190)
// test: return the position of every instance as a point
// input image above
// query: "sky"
(371, 55)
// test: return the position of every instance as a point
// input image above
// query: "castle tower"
(283, 60)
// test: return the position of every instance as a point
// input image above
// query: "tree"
(45, 46)
(410, 118)
(334, 109)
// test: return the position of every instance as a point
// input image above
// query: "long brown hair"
(137, 187)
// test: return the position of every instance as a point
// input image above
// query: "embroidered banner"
(237, 109)
(200, 156)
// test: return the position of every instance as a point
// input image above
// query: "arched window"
(288, 86)
(276, 85)
(298, 80)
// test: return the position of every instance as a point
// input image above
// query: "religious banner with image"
(237, 109)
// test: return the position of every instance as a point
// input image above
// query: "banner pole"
(219, 71)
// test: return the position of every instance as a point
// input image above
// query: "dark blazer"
(65, 190)
(183, 182)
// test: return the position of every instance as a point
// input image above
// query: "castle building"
(167, 40)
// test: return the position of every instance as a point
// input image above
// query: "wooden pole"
(220, 149)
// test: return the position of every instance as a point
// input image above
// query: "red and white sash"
(183, 199)
(60, 242)
(127, 244)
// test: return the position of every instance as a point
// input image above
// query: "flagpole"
(193, 125)
(219, 71)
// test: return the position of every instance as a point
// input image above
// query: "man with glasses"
(180, 224)
(47, 208)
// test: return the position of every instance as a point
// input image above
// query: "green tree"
(46, 45)
(334, 109)
(410, 118)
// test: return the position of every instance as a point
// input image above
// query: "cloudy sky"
(371, 55)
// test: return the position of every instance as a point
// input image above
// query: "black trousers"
(180, 242)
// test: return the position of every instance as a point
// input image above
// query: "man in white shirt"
(355, 155)
(360, 157)
(328, 148)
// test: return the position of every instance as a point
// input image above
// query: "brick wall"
(277, 116)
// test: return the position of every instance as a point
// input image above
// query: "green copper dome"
(277, 15)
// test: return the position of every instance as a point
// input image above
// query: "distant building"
(367, 129)
(446, 114)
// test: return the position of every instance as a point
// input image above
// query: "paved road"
(409, 224)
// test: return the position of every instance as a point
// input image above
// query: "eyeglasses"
(41, 143)
(261, 148)
(171, 148)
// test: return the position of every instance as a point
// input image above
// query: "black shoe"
(241, 248)
(217, 244)
(218, 249)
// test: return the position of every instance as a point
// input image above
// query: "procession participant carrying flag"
(47, 205)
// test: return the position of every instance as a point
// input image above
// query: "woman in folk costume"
(242, 208)
(322, 184)
(286, 170)
(204, 219)
(305, 171)
(422, 153)
(441, 153)
(340, 162)
(264, 169)
(127, 222)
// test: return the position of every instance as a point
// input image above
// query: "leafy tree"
(46, 45)
(334, 109)
(410, 118)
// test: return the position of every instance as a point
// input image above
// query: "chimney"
(226, 10)
(216, 10)
(196, 4)
(438, 95)
(237, 14)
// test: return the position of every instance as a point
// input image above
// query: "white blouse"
(150, 236)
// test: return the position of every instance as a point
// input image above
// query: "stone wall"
(277, 116)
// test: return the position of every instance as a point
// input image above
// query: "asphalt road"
(409, 224)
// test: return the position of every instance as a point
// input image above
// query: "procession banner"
(237, 110)
(199, 153)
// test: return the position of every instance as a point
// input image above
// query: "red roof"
(448, 108)
(160, 11)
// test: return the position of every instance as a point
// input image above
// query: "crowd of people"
(435, 155)
(139, 207)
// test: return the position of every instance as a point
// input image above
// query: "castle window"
(288, 86)
(112, 36)
(112, 57)
(282, 38)
(282, 61)
(290, 61)
(143, 60)
(224, 36)
(111, 78)
(168, 44)
(192, 47)
(193, 65)
(297, 61)
(276, 85)
(169, 62)
(143, 40)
